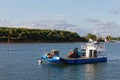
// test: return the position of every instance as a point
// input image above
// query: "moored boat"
(91, 52)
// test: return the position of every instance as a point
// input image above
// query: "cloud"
(42, 24)
(108, 24)
(108, 28)
(47, 24)
(104, 27)
(5, 23)
(92, 20)
(115, 11)
(61, 16)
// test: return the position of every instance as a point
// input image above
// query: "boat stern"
(53, 59)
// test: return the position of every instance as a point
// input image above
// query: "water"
(20, 62)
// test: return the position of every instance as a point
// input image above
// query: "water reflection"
(50, 72)
(90, 71)
(73, 72)
(93, 71)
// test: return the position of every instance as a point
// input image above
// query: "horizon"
(99, 16)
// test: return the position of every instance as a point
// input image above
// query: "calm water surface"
(20, 62)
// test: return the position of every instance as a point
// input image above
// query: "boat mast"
(97, 34)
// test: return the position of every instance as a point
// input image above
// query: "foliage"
(37, 35)
(109, 37)
(91, 36)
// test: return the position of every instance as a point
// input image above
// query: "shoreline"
(39, 42)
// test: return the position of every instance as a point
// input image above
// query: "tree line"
(46, 35)
(38, 35)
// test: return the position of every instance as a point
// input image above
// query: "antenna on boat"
(98, 35)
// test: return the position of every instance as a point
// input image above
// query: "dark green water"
(20, 62)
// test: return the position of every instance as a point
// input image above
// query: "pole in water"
(8, 37)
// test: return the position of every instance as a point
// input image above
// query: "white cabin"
(91, 49)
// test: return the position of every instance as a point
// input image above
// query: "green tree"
(23, 34)
(91, 36)
(109, 38)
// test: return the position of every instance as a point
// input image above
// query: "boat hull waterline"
(59, 60)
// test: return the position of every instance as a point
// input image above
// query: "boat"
(91, 52)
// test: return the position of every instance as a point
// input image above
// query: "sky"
(81, 16)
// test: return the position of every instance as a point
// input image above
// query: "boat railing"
(92, 46)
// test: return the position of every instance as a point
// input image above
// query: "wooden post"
(8, 38)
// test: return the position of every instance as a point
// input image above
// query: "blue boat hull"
(81, 61)
(58, 60)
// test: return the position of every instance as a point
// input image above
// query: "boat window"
(93, 53)
(83, 52)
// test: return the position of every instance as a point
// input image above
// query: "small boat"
(91, 52)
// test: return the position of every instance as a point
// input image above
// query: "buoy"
(39, 61)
